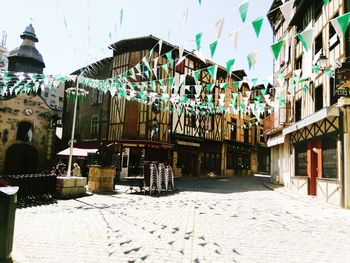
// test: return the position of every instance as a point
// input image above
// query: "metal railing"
(34, 189)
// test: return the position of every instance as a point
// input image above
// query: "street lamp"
(323, 62)
(75, 90)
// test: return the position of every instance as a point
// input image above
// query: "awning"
(272, 141)
(142, 143)
(77, 152)
(320, 115)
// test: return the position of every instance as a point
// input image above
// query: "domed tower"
(26, 58)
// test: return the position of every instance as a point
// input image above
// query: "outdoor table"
(133, 179)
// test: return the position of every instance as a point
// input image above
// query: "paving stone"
(207, 220)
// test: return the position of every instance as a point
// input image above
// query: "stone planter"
(101, 178)
(71, 187)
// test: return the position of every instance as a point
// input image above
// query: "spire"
(29, 33)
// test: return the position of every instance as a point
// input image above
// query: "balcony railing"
(277, 119)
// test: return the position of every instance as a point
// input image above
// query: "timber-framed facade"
(310, 146)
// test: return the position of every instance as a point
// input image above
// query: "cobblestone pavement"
(208, 220)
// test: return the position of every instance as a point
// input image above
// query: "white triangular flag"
(160, 43)
(287, 10)
(234, 36)
(200, 55)
(218, 26)
(155, 66)
(184, 16)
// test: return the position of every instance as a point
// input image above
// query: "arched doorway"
(21, 159)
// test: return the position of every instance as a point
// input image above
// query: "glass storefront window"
(329, 159)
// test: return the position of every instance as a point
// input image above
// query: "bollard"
(8, 200)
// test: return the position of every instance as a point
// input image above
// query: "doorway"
(314, 150)
(21, 159)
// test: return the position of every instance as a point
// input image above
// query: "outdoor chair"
(162, 177)
(169, 177)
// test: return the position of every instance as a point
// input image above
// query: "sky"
(73, 34)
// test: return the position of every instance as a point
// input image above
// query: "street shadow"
(222, 185)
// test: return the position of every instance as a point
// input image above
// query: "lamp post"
(77, 92)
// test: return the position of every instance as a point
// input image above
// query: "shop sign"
(192, 144)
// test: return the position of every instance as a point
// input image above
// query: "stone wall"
(12, 112)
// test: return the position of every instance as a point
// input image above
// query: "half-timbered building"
(308, 133)
(195, 140)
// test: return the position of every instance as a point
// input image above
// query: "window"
(180, 68)
(246, 133)
(298, 110)
(300, 160)
(299, 62)
(333, 36)
(262, 135)
(96, 96)
(319, 44)
(318, 98)
(94, 125)
(318, 9)
(332, 93)
(25, 132)
(329, 159)
(233, 129)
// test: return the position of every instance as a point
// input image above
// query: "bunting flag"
(213, 48)
(251, 60)
(210, 87)
(184, 16)
(229, 65)
(223, 86)
(165, 68)
(199, 40)
(218, 26)
(200, 2)
(212, 71)
(121, 14)
(198, 89)
(257, 24)
(169, 57)
(155, 66)
(276, 48)
(306, 37)
(200, 55)
(160, 43)
(341, 24)
(243, 10)
(196, 74)
(287, 10)
(325, 2)
(234, 36)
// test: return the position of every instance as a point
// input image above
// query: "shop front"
(317, 151)
(238, 158)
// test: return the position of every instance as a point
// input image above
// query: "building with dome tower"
(27, 121)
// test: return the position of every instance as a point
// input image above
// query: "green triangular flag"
(212, 71)
(316, 69)
(276, 48)
(196, 75)
(243, 10)
(169, 57)
(210, 87)
(341, 24)
(199, 40)
(213, 48)
(305, 38)
(254, 81)
(229, 65)
(166, 68)
(257, 24)
(325, 2)
(305, 89)
(200, 2)
(171, 81)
